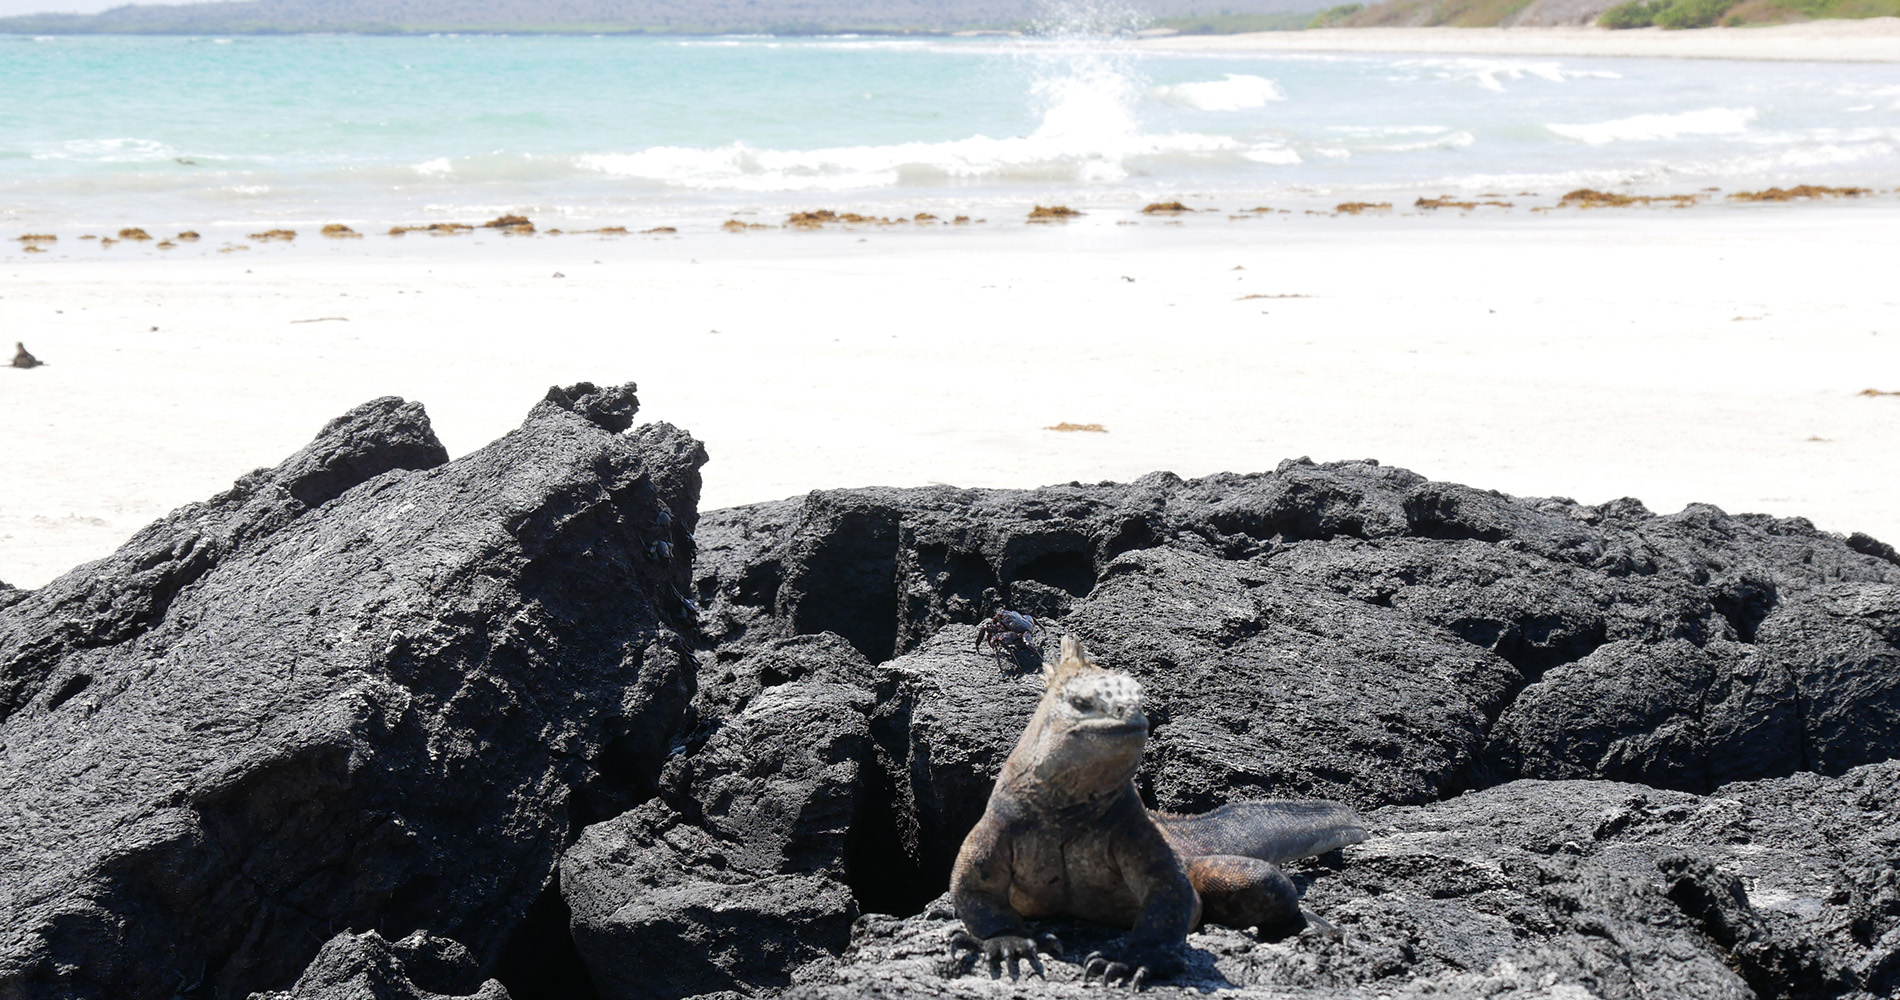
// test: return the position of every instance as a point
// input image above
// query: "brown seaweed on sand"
(39, 238)
(1444, 201)
(434, 228)
(1052, 213)
(738, 226)
(1588, 198)
(188, 236)
(1165, 207)
(658, 229)
(1877, 392)
(268, 235)
(339, 231)
(1800, 191)
(1356, 207)
(810, 220)
(516, 225)
(133, 233)
(1067, 427)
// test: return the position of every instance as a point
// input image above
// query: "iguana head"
(1086, 737)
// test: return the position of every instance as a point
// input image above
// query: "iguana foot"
(1143, 967)
(1011, 948)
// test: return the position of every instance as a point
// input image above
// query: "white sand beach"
(1711, 354)
(1875, 39)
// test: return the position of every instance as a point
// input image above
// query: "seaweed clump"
(134, 233)
(1356, 207)
(1800, 191)
(1052, 213)
(339, 231)
(434, 228)
(1444, 201)
(1589, 198)
(513, 225)
(188, 236)
(1068, 428)
(738, 226)
(268, 235)
(1165, 207)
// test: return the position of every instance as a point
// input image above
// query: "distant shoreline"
(1869, 40)
(1875, 39)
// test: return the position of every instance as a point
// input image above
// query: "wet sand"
(1710, 354)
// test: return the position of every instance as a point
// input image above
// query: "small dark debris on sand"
(658, 229)
(1285, 295)
(23, 358)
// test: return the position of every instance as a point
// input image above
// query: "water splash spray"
(1085, 86)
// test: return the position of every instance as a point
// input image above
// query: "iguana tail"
(1275, 830)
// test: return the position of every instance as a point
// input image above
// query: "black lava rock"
(364, 690)
(736, 874)
(366, 967)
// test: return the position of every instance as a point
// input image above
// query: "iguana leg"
(1170, 908)
(1247, 892)
(979, 888)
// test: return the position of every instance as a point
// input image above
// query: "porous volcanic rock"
(1778, 888)
(366, 689)
(735, 874)
(366, 967)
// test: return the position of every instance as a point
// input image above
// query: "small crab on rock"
(1012, 638)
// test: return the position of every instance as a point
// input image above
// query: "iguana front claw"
(1136, 973)
(1011, 948)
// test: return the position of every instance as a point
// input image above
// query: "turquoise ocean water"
(619, 130)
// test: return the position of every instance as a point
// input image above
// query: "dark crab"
(1011, 638)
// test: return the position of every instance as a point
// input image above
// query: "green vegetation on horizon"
(1739, 13)
(1631, 14)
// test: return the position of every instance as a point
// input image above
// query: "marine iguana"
(1065, 834)
(22, 358)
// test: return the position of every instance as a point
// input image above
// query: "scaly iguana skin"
(1065, 834)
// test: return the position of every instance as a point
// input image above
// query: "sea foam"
(1707, 121)
(1237, 92)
